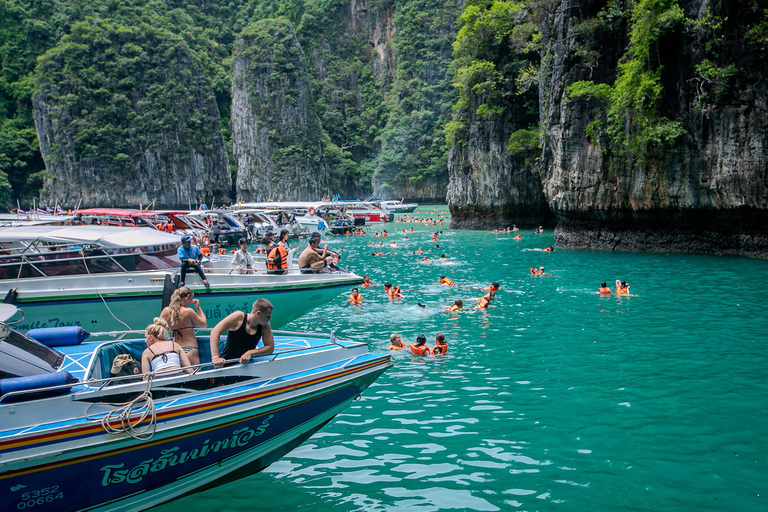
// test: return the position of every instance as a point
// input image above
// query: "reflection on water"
(555, 398)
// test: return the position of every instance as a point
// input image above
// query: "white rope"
(124, 411)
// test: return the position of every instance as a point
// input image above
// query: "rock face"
(275, 130)
(106, 146)
(704, 191)
(489, 187)
(708, 193)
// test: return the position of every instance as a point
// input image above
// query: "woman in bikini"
(162, 356)
(182, 320)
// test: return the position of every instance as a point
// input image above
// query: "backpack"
(125, 365)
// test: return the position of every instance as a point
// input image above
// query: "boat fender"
(59, 336)
(320, 226)
(35, 382)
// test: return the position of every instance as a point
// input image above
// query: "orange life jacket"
(394, 292)
(518, 237)
(355, 300)
(484, 302)
(447, 282)
(604, 291)
(420, 351)
(622, 291)
(206, 251)
(395, 347)
(440, 349)
(368, 284)
(494, 289)
(420, 251)
(222, 251)
(277, 258)
(454, 308)
(534, 271)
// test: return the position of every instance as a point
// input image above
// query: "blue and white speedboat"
(72, 437)
(114, 278)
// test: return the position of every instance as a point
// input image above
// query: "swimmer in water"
(444, 281)
(457, 305)
(549, 249)
(485, 301)
(355, 297)
(622, 288)
(604, 290)
(441, 347)
(517, 237)
(395, 342)
(367, 281)
(420, 348)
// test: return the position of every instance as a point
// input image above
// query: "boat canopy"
(106, 236)
(118, 212)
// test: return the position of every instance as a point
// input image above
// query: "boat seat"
(107, 352)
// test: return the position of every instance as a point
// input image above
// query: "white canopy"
(106, 236)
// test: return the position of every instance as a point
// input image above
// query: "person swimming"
(420, 348)
(444, 281)
(441, 347)
(604, 290)
(355, 297)
(622, 288)
(485, 301)
(457, 305)
(395, 342)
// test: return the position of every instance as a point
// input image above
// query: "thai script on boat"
(221, 311)
(117, 474)
(51, 322)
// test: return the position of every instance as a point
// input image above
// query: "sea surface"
(555, 398)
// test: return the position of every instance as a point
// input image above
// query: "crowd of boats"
(78, 288)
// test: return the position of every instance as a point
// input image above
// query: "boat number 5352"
(40, 497)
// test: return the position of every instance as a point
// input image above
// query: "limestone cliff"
(704, 192)
(108, 141)
(275, 129)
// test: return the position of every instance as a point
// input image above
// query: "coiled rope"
(122, 415)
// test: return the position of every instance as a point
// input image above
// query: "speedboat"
(75, 437)
(306, 213)
(365, 210)
(109, 278)
(395, 206)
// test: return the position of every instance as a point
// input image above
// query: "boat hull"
(133, 307)
(194, 448)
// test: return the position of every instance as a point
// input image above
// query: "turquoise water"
(554, 399)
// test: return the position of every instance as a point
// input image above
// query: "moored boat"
(110, 278)
(63, 445)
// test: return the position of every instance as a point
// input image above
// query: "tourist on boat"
(444, 281)
(441, 347)
(277, 258)
(215, 233)
(242, 259)
(191, 258)
(395, 342)
(244, 330)
(77, 220)
(420, 348)
(355, 297)
(604, 290)
(283, 240)
(367, 281)
(310, 260)
(622, 288)
(457, 305)
(182, 320)
(163, 356)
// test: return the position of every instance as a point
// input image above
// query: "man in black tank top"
(244, 330)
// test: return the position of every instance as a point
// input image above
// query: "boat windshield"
(53, 260)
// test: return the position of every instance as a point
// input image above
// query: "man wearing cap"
(190, 257)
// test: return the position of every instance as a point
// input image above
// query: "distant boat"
(198, 430)
(395, 206)
(111, 278)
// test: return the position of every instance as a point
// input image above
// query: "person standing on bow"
(191, 259)
(244, 331)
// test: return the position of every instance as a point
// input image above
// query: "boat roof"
(107, 236)
(118, 212)
(286, 204)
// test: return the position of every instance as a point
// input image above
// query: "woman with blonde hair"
(162, 355)
(182, 320)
